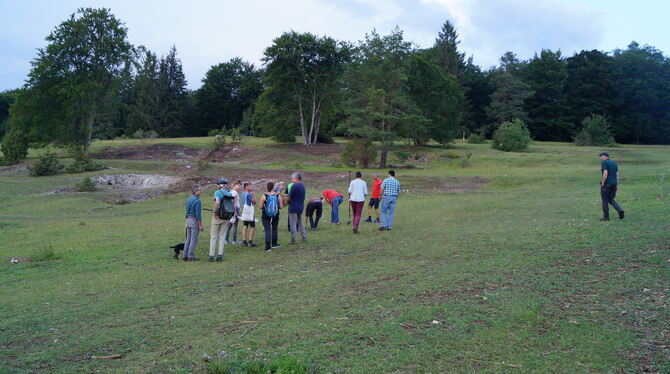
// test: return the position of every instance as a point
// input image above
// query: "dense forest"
(380, 88)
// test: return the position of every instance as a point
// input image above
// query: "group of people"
(276, 197)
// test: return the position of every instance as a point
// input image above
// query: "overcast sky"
(207, 32)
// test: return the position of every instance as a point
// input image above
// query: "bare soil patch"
(156, 152)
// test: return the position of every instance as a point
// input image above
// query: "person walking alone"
(296, 205)
(333, 198)
(218, 227)
(389, 189)
(357, 192)
(374, 198)
(270, 204)
(608, 185)
(193, 222)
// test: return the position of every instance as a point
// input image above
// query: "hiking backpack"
(226, 208)
(271, 205)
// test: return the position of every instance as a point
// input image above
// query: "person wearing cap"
(232, 224)
(193, 222)
(218, 228)
(389, 189)
(608, 185)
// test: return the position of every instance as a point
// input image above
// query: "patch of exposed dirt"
(159, 152)
(14, 170)
(136, 187)
(320, 154)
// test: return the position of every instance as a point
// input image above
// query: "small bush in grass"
(595, 131)
(14, 147)
(451, 155)
(213, 132)
(402, 155)
(279, 365)
(86, 185)
(219, 140)
(82, 162)
(359, 152)
(475, 138)
(235, 135)
(512, 137)
(46, 165)
(149, 134)
(465, 162)
(46, 253)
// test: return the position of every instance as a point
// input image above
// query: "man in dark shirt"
(608, 185)
(296, 205)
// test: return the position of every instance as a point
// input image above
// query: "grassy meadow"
(517, 276)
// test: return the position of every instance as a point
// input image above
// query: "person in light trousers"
(193, 222)
(218, 227)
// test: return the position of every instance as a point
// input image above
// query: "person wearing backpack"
(220, 218)
(270, 204)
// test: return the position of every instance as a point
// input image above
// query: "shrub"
(279, 365)
(359, 152)
(149, 134)
(82, 162)
(46, 253)
(451, 155)
(235, 134)
(475, 138)
(465, 162)
(46, 165)
(86, 185)
(213, 132)
(595, 131)
(402, 155)
(219, 141)
(14, 147)
(511, 137)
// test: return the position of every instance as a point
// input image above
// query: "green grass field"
(518, 276)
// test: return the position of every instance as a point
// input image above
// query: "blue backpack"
(271, 205)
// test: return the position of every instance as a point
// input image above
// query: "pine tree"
(173, 96)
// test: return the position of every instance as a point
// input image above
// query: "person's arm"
(262, 204)
(350, 189)
(604, 178)
(217, 204)
(281, 204)
(198, 213)
(253, 198)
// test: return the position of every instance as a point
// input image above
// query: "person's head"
(604, 155)
(196, 189)
(247, 186)
(281, 185)
(237, 185)
(271, 186)
(296, 177)
(392, 173)
(222, 183)
(375, 176)
(359, 174)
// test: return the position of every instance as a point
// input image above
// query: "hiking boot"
(304, 240)
(252, 244)
(185, 258)
(276, 245)
(268, 250)
(377, 221)
(219, 259)
(382, 229)
(244, 243)
(604, 219)
(313, 228)
(238, 242)
(355, 231)
(621, 214)
(369, 219)
(211, 259)
(292, 242)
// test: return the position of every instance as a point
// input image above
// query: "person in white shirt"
(232, 224)
(357, 192)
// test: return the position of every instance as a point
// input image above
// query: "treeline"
(379, 89)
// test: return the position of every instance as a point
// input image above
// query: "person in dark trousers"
(608, 185)
(232, 224)
(193, 222)
(314, 207)
(296, 205)
(374, 199)
(270, 223)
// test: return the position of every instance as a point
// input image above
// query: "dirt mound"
(160, 152)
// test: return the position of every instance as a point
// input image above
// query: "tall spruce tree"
(173, 96)
(546, 107)
(144, 114)
(510, 92)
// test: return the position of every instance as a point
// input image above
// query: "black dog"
(177, 248)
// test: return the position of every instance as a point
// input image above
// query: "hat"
(222, 181)
(604, 154)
